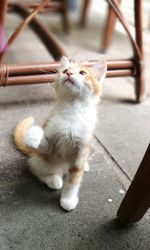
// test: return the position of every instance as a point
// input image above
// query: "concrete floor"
(30, 216)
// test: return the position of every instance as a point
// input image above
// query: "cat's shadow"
(31, 193)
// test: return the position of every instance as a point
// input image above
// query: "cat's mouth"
(69, 80)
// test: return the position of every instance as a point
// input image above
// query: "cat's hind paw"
(69, 204)
(34, 136)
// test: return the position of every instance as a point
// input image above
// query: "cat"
(62, 145)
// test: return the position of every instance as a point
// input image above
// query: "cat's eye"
(82, 72)
(65, 71)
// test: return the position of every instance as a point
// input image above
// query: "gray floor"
(30, 216)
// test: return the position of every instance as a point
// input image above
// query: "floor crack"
(109, 155)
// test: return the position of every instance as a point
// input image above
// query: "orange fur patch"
(91, 81)
(19, 134)
(74, 170)
(95, 85)
(75, 175)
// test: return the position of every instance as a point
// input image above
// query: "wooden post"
(109, 27)
(139, 80)
(137, 199)
(84, 10)
(3, 10)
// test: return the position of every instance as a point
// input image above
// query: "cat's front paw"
(86, 167)
(54, 182)
(34, 136)
(69, 204)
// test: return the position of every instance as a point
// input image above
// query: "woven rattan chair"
(137, 43)
(109, 25)
(32, 74)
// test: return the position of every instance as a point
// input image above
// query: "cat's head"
(79, 82)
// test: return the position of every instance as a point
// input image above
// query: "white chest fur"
(77, 120)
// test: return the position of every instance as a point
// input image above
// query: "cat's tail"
(19, 135)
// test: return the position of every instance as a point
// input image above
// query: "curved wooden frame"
(56, 48)
(137, 199)
(137, 43)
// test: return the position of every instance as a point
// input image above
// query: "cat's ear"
(64, 61)
(99, 70)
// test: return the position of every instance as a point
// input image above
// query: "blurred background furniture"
(137, 43)
(28, 11)
(137, 199)
(55, 6)
(32, 74)
(109, 24)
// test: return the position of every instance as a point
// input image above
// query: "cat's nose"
(69, 73)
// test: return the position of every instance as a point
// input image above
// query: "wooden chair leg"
(139, 80)
(137, 199)
(109, 28)
(3, 10)
(84, 10)
(65, 17)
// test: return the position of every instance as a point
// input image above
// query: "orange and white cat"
(62, 145)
